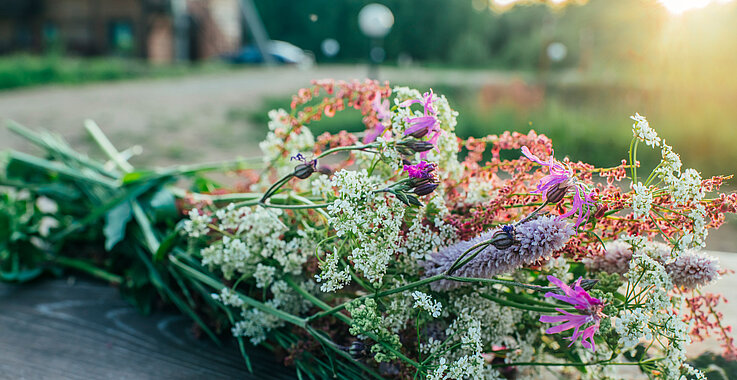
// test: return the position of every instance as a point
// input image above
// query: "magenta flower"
(428, 124)
(558, 182)
(421, 170)
(383, 113)
(591, 312)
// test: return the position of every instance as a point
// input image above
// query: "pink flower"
(421, 170)
(558, 182)
(428, 124)
(591, 312)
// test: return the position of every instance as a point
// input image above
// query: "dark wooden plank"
(60, 329)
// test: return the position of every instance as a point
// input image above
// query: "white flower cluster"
(480, 190)
(653, 276)
(274, 146)
(425, 302)
(370, 222)
(642, 130)
(254, 323)
(197, 224)
(647, 274)
(631, 325)
(670, 165)
(685, 187)
(641, 201)
(422, 240)
(258, 234)
(321, 186)
(331, 276)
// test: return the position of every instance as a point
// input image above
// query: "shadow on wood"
(84, 330)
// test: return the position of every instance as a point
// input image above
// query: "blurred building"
(158, 30)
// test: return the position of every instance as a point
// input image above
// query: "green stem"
(215, 284)
(634, 155)
(319, 303)
(461, 260)
(517, 305)
(276, 186)
(88, 268)
(601, 362)
(632, 163)
(343, 148)
(400, 289)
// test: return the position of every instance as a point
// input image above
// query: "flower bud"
(357, 350)
(418, 146)
(305, 170)
(556, 193)
(600, 211)
(502, 239)
(588, 283)
(425, 188)
(414, 182)
(418, 134)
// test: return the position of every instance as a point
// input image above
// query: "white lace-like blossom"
(259, 235)
(439, 372)
(642, 130)
(197, 224)
(688, 187)
(651, 275)
(264, 275)
(274, 145)
(425, 302)
(321, 185)
(669, 168)
(371, 221)
(696, 237)
(642, 200)
(480, 190)
(632, 325)
(331, 277)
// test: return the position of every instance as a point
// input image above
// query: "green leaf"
(116, 221)
(413, 200)
(162, 205)
(5, 227)
(167, 245)
(137, 176)
(204, 185)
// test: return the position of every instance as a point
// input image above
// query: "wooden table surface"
(81, 329)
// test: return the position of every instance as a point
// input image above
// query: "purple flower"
(534, 240)
(423, 125)
(421, 170)
(591, 312)
(383, 113)
(556, 184)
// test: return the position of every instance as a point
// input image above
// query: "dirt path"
(184, 120)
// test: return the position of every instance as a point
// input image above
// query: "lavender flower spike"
(537, 239)
(556, 184)
(590, 307)
(692, 270)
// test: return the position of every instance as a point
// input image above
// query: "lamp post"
(375, 21)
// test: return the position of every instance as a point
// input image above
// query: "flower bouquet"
(403, 251)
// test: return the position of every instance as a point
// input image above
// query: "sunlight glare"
(677, 7)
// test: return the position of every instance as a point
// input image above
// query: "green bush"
(28, 70)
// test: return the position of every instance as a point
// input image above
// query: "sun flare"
(679, 6)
